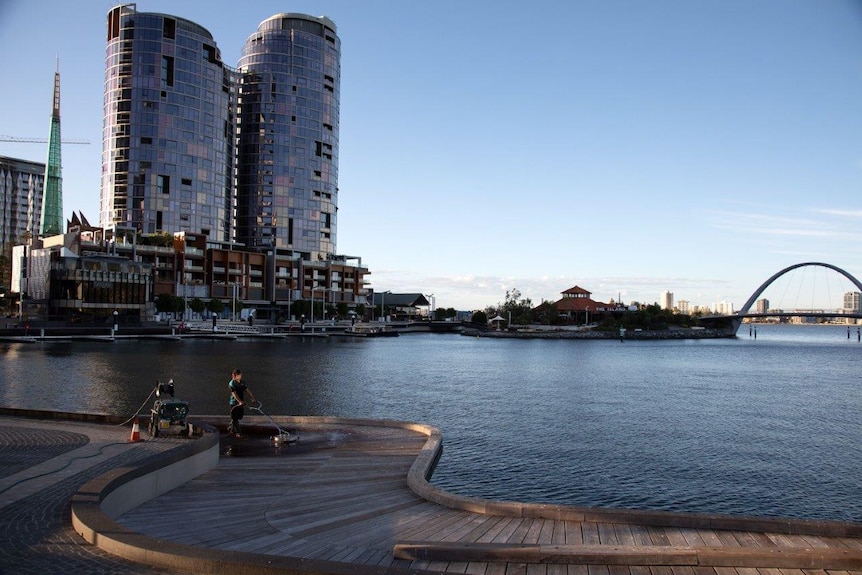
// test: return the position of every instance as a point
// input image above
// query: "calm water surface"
(767, 426)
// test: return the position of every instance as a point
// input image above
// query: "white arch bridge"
(744, 312)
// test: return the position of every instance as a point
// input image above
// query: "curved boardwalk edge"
(93, 508)
(423, 468)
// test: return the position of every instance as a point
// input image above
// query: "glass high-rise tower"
(168, 128)
(287, 136)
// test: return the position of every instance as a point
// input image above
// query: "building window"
(167, 71)
(169, 28)
(163, 183)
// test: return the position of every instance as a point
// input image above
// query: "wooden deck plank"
(591, 533)
(534, 531)
(624, 534)
(641, 534)
(574, 533)
(675, 536)
(658, 536)
(607, 534)
(693, 537)
(474, 568)
(352, 504)
(520, 532)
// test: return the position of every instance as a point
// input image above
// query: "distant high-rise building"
(853, 302)
(667, 300)
(52, 206)
(22, 186)
(168, 128)
(723, 308)
(683, 306)
(761, 305)
(287, 148)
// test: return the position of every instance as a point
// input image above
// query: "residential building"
(287, 143)
(22, 185)
(684, 306)
(60, 282)
(667, 300)
(723, 308)
(168, 129)
(761, 306)
(223, 181)
(853, 302)
(184, 265)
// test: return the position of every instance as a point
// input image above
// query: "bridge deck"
(341, 494)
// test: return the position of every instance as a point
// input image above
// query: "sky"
(627, 147)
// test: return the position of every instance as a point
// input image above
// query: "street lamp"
(314, 289)
(233, 301)
(383, 304)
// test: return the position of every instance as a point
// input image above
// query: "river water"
(766, 426)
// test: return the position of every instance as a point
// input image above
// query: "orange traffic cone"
(136, 432)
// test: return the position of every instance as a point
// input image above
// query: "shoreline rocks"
(683, 333)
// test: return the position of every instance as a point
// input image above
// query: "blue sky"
(628, 147)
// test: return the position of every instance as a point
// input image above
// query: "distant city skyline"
(625, 147)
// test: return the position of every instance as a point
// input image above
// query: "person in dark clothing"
(238, 389)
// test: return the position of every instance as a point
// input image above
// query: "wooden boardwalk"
(341, 494)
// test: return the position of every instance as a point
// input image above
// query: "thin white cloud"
(772, 224)
(839, 212)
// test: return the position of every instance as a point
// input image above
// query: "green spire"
(52, 201)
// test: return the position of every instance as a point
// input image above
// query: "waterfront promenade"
(349, 497)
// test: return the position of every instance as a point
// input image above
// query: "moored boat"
(364, 330)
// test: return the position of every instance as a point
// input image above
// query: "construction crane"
(38, 140)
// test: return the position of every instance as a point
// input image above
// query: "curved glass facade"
(287, 136)
(168, 130)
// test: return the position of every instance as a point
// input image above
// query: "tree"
(341, 309)
(215, 306)
(6, 278)
(520, 309)
(300, 308)
(6, 268)
(480, 317)
(165, 303)
(179, 306)
(547, 313)
(197, 305)
(162, 239)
